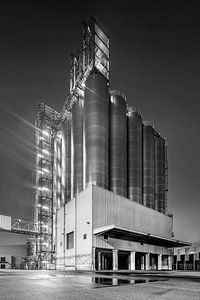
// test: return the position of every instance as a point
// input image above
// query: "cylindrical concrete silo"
(159, 173)
(77, 147)
(134, 155)
(96, 130)
(148, 166)
(66, 132)
(118, 144)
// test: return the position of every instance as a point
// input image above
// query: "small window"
(3, 259)
(105, 237)
(70, 240)
(85, 236)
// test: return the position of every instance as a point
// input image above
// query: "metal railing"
(22, 226)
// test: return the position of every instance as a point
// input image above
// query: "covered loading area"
(107, 259)
(118, 259)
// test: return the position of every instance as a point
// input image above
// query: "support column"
(159, 261)
(103, 261)
(132, 259)
(114, 281)
(99, 260)
(115, 260)
(185, 262)
(93, 258)
(170, 262)
(147, 261)
(142, 262)
(194, 261)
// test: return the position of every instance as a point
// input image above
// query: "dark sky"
(155, 61)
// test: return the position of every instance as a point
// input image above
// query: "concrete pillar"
(93, 258)
(142, 262)
(170, 262)
(185, 262)
(159, 261)
(115, 260)
(147, 261)
(132, 259)
(114, 281)
(99, 260)
(102, 261)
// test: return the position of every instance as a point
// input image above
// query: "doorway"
(123, 260)
(139, 260)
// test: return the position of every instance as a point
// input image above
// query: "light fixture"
(59, 135)
(43, 188)
(45, 207)
(45, 132)
(45, 170)
(45, 151)
(45, 226)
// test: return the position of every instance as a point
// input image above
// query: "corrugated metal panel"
(134, 155)
(77, 140)
(96, 126)
(100, 242)
(129, 246)
(160, 173)
(66, 130)
(148, 166)
(118, 145)
(109, 208)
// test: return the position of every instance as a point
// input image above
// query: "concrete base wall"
(76, 217)
(96, 207)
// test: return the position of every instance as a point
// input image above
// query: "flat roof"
(118, 232)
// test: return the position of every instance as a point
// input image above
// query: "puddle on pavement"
(116, 281)
(98, 281)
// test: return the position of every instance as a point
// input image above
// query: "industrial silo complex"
(101, 179)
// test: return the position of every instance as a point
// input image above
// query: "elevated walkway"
(9, 224)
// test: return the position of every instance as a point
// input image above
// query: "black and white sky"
(155, 61)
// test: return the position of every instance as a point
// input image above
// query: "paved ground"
(23, 285)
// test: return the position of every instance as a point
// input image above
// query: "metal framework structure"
(47, 126)
(93, 54)
(24, 227)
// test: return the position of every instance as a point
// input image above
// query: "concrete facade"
(112, 232)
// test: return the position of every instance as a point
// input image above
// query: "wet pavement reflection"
(84, 280)
(117, 281)
(94, 281)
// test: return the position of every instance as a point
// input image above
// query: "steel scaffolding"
(47, 126)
